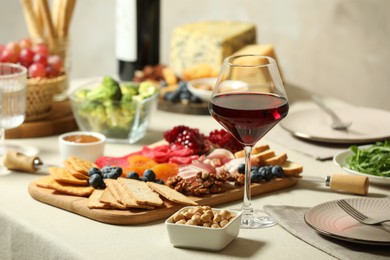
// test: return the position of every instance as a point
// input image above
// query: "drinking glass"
(12, 99)
(248, 100)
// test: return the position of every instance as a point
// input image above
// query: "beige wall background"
(338, 48)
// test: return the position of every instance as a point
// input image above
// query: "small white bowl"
(83, 144)
(203, 238)
(204, 94)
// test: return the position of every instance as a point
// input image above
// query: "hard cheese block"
(259, 49)
(208, 42)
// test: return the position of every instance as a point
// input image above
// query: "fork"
(337, 123)
(358, 215)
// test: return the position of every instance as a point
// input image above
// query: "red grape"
(51, 72)
(41, 48)
(14, 47)
(37, 70)
(8, 55)
(2, 48)
(56, 62)
(26, 57)
(25, 43)
(40, 58)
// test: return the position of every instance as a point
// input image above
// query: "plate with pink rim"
(330, 220)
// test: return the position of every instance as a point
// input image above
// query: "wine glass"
(248, 100)
(12, 100)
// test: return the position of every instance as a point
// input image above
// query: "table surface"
(30, 229)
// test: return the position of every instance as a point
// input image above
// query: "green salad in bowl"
(119, 110)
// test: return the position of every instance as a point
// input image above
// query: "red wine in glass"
(248, 116)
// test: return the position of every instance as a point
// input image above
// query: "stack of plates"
(330, 220)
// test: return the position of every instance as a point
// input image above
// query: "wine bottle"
(137, 35)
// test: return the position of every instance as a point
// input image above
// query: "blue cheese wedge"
(208, 42)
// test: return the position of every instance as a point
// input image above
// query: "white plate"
(330, 220)
(340, 160)
(368, 125)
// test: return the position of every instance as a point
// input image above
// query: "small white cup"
(88, 150)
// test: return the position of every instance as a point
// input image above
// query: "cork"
(19, 162)
(350, 183)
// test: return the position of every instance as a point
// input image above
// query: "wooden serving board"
(59, 121)
(190, 108)
(78, 205)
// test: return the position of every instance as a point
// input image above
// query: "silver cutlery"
(358, 215)
(337, 123)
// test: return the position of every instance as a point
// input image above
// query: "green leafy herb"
(374, 160)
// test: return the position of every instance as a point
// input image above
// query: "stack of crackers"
(70, 180)
(121, 193)
(125, 193)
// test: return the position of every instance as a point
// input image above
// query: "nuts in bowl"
(118, 110)
(203, 227)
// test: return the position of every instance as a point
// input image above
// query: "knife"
(338, 182)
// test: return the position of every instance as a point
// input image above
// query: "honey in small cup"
(83, 144)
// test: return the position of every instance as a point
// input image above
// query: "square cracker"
(70, 168)
(81, 165)
(121, 195)
(141, 192)
(61, 175)
(94, 200)
(108, 198)
(171, 194)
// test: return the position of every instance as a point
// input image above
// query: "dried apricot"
(139, 164)
(165, 170)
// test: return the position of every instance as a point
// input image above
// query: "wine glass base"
(26, 150)
(256, 221)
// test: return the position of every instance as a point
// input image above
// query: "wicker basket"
(39, 96)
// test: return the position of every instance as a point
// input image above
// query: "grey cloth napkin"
(292, 220)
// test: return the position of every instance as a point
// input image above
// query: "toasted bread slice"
(259, 159)
(276, 160)
(171, 194)
(107, 198)
(291, 168)
(141, 192)
(121, 195)
(255, 150)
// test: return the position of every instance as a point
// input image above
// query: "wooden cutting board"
(78, 205)
(59, 121)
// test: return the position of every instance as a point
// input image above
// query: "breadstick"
(32, 25)
(52, 34)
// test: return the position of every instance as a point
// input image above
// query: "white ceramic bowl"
(90, 148)
(203, 238)
(199, 87)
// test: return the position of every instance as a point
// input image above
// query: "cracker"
(94, 200)
(121, 195)
(44, 182)
(81, 165)
(72, 170)
(61, 175)
(171, 194)
(108, 198)
(82, 191)
(141, 192)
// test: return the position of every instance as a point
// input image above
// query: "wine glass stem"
(247, 205)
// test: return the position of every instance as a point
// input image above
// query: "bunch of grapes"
(36, 58)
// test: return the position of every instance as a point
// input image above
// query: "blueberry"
(133, 175)
(185, 95)
(143, 178)
(93, 171)
(149, 175)
(255, 176)
(254, 168)
(277, 171)
(106, 169)
(159, 181)
(96, 181)
(183, 85)
(195, 99)
(265, 173)
(241, 168)
(115, 173)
